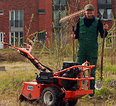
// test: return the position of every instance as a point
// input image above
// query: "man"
(87, 29)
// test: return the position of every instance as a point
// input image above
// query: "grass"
(110, 69)
(11, 82)
(14, 76)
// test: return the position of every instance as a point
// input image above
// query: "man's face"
(89, 13)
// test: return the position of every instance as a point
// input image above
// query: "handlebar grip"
(6, 43)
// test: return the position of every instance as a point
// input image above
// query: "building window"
(57, 14)
(58, 11)
(1, 12)
(63, 2)
(41, 11)
(41, 37)
(16, 38)
(109, 14)
(105, 9)
(59, 2)
(104, 1)
(109, 1)
(105, 14)
(16, 27)
(16, 18)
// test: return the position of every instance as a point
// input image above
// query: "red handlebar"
(25, 50)
(26, 53)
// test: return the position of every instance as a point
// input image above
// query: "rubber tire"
(55, 93)
(70, 103)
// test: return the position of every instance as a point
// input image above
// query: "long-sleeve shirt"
(88, 23)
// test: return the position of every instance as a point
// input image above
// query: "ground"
(16, 73)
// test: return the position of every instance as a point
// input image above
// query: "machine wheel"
(51, 96)
(70, 103)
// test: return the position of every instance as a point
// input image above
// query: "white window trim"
(1, 45)
(10, 38)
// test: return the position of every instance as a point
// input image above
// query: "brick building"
(19, 18)
(16, 17)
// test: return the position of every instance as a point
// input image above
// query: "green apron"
(88, 46)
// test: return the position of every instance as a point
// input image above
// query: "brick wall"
(39, 22)
(45, 21)
(29, 9)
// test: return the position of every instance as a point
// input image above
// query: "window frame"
(14, 38)
(59, 8)
(1, 12)
(41, 12)
(104, 6)
(13, 19)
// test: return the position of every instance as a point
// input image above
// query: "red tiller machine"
(62, 88)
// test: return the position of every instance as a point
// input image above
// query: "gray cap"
(89, 7)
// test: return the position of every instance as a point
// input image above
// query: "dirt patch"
(12, 56)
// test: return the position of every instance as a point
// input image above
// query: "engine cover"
(72, 73)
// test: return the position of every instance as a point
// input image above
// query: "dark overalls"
(88, 46)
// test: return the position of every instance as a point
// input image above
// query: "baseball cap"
(89, 7)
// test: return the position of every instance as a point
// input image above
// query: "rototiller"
(62, 88)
